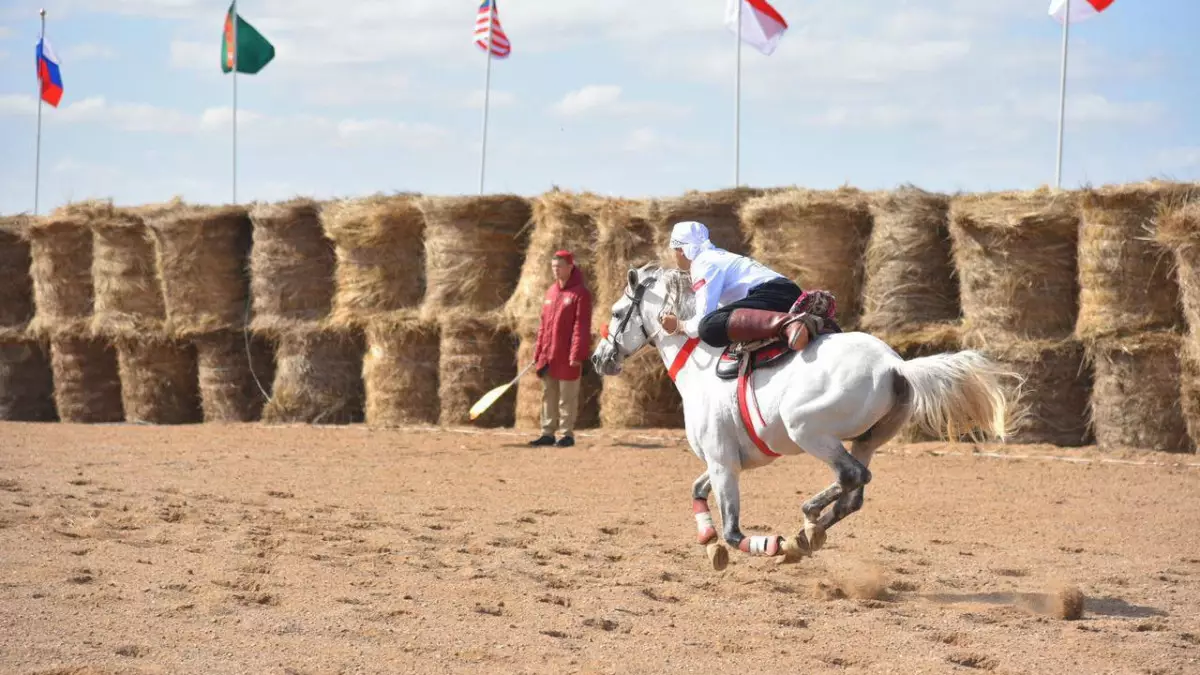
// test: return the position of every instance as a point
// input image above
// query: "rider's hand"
(670, 323)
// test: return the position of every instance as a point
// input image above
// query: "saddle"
(819, 305)
(738, 361)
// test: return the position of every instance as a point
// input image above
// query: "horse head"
(650, 291)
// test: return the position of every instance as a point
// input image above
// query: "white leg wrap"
(759, 544)
(704, 521)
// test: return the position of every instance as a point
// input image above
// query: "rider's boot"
(751, 325)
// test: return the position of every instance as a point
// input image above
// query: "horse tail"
(959, 394)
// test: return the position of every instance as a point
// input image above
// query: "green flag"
(253, 50)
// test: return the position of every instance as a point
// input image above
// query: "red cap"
(565, 255)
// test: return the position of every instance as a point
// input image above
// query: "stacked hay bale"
(201, 257)
(561, 220)
(158, 372)
(87, 388)
(816, 238)
(379, 284)
(910, 292)
(1015, 254)
(473, 257)
(719, 211)
(643, 395)
(1178, 230)
(318, 367)
(1129, 318)
(26, 382)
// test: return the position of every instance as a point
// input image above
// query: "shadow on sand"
(1048, 603)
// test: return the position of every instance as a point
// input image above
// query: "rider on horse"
(737, 299)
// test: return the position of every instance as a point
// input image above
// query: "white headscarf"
(692, 237)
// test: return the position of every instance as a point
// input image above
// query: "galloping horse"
(841, 386)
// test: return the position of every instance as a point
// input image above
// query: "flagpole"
(234, 49)
(37, 162)
(487, 86)
(737, 102)
(1062, 95)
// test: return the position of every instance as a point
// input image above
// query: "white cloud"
(606, 99)
(5, 32)
(88, 52)
(194, 55)
(139, 117)
(496, 99)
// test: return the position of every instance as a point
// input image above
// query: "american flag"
(500, 45)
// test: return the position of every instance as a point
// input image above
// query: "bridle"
(635, 306)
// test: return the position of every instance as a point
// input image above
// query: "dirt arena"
(248, 549)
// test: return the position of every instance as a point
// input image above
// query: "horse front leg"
(706, 530)
(725, 481)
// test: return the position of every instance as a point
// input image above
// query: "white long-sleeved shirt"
(719, 278)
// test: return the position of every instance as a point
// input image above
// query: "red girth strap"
(744, 407)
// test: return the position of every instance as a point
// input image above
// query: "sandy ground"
(247, 549)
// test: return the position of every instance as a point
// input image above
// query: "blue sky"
(624, 97)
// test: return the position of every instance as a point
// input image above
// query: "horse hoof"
(793, 549)
(815, 535)
(718, 555)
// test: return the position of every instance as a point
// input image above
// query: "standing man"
(563, 342)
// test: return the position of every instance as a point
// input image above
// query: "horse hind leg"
(851, 475)
(863, 449)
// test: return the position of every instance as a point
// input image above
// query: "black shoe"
(542, 440)
(565, 442)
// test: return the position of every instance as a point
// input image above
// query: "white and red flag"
(1079, 9)
(762, 25)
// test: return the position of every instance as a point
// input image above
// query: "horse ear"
(633, 278)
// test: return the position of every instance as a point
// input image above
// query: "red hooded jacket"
(565, 333)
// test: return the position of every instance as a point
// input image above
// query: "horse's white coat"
(837, 388)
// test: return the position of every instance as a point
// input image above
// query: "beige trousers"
(560, 405)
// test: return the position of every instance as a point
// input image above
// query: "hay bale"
(128, 296)
(1189, 389)
(201, 254)
(400, 370)
(718, 210)
(1015, 253)
(1178, 229)
(1125, 280)
(87, 386)
(925, 340)
(1135, 399)
(909, 278)
(318, 376)
(60, 247)
(234, 378)
(291, 265)
(16, 293)
(642, 396)
(476, 354)
(380, 258)
(473, 251)
(528, 414)
(561, 220)
(627, 236)
(816, 238)
(26, 381)
(159, 380)
(1052, 404)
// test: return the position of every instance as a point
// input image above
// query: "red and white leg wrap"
(706, 531)
(762, 545)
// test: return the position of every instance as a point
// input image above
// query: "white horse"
(841, 386)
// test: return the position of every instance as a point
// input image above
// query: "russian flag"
(48, 73)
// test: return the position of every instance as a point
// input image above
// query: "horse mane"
(680, 300)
